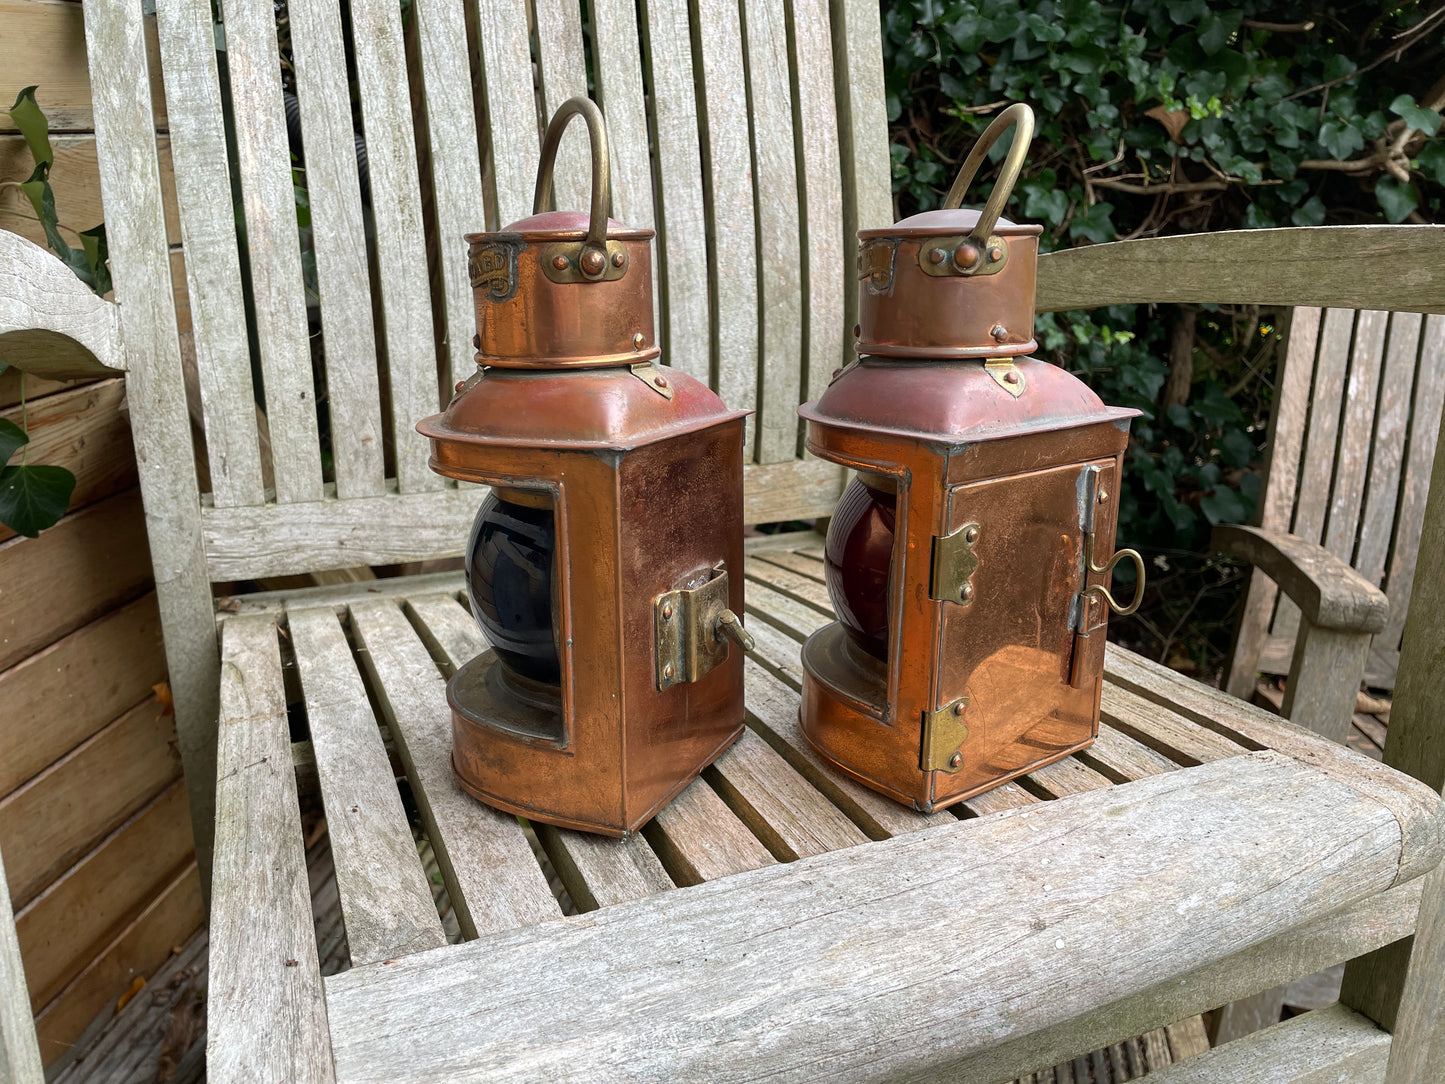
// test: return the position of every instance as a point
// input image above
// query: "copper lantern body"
(969, 561)
(605, 568)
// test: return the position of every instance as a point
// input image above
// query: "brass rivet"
(667, 610)
(668, 671)
(461, 384)
(618, 259)
(638, 340)
(936, 255)
(999, 332)
(1011, 377)
(958, 708)
(592, 262)
(995, 253)
(965, 255)
(477, 341)
(971, 535)
(857, 330)
(966, 593)
(661, 381)
(560, 262)
(1103, 495)
(956, 760)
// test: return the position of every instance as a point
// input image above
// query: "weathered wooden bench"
(775, 920)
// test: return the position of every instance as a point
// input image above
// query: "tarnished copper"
(641, 469)
(989, 468)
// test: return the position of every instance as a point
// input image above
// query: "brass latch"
(944, 733)
(954, 564)
(1094, 494)
(693, 626)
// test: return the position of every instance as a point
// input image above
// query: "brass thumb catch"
(728, 626)
(1103, 570)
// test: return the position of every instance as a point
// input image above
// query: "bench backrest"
(1352, 438)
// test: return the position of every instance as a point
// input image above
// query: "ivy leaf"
(1096, 224)
(37, 189)
(1340, 139)
(1223, 505)
(97, 257)
(11, 437)
(1310, 213)
(34, 498)
(1426, 120)
(26, 115)
(1432, 160)
(1396, 200)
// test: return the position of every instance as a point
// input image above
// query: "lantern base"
(846, 716)
(494, 708)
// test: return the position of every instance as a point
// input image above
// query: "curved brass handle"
(592, 262)
(1103, 570)
(1016, 114)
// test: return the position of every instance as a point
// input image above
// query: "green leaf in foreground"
(26, 115)
(34, 498)
(11, 437)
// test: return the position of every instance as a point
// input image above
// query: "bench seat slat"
(265, 977)
(700, 839)
(1159, 728)
(598, 871)
(491, 874)
(385, 898)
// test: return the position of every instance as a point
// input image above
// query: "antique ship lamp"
(605, 565)
(969, 560)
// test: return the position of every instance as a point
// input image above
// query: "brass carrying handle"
(1016, 114)
(1102, 591)
(592, 262)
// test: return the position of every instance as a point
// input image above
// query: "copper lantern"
(605, 565)
(969, 560)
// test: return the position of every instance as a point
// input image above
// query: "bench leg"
(1324, 678)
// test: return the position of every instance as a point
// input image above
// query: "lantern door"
(1013, 691)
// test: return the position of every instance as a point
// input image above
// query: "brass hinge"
(944, 733)
(561, 262)
(1006, 375)
(692, 628)
(962, 256)
(954, 564)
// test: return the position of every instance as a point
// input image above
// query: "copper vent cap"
(564, 289)
(954, 282)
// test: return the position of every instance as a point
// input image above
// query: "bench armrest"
(51, 324)
(1328, 592)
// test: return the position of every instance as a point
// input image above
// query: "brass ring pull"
(592, 267)
(1102, 591)
(1016, 114)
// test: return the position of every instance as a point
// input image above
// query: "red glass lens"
(858, 557)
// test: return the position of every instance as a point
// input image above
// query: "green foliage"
(32, 498)
(1175, 116)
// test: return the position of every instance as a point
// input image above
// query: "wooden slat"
(411, 362)
(140, 270)
(82, 567)
(19, 1049)
(798, 619)
(67, 925)
(777, 653)
(511, 108)
(562, 66)
(1356, 267)
(698, 838)
(598, 871)
(1377, 518)
(385, 898)
(44, 45)
(86, 432)
(617, 63)
(213, 266)
(802, 489)
(338, 238)
(682, 953)
(1162, 730)
(263, 160)
(793, 562)
(53, 326)
(794, 585)
(682, 269)
(722, 106)
(1356, 434)
(1064, 777)
(779, 242)
(1327, 1044)
(266, 1014)
(77, 685)
(779, 806)
(821, 201)
(456, 170)
(1425, 415)
(60, 814)
(1008, 796)
(1123, 759)
(138, 949)
(772, 710)
(492, 878)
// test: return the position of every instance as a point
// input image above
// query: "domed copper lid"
(954, 283)
(564, 289)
